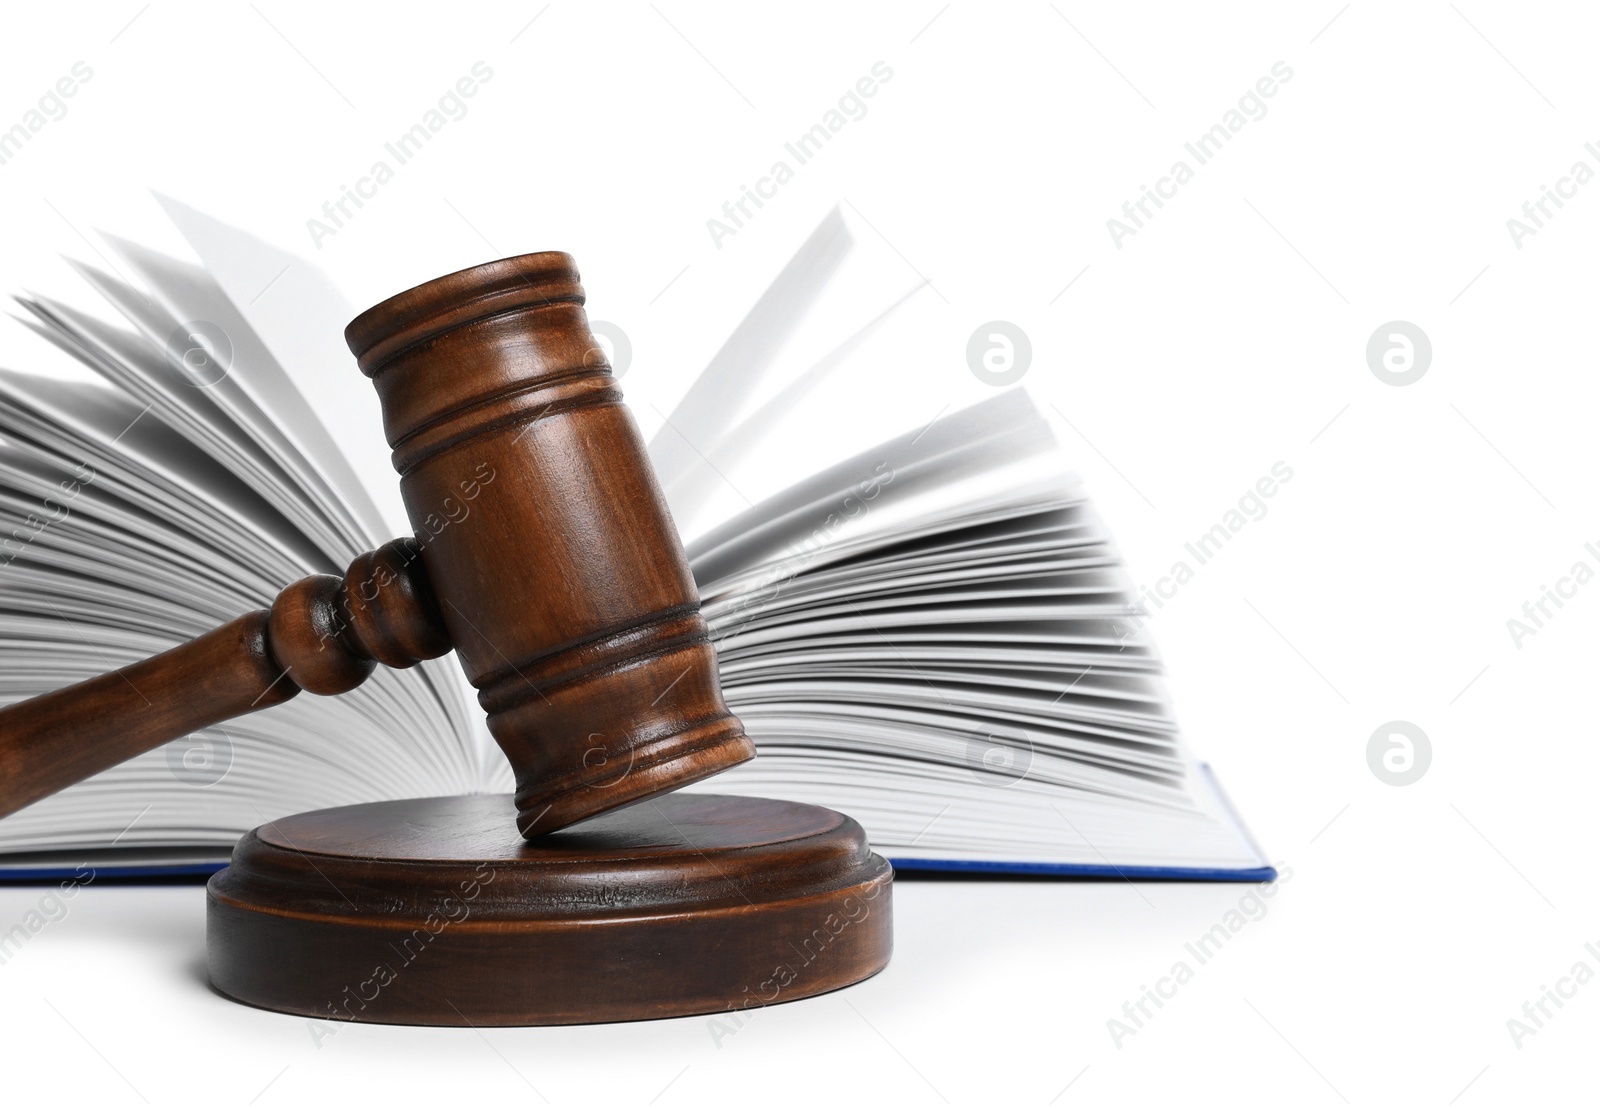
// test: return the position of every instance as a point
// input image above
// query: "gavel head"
(558, 573)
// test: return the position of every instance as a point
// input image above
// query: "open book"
(935, 636)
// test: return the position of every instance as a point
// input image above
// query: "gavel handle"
(322, 634)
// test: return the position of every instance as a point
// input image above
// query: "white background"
(1226, 335)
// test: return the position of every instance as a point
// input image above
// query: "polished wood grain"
(436, 912)
(322, 634)
(545, 557)
(562, 580)
(52, 741)
(543, 554)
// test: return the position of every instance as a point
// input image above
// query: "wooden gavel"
(564, 591)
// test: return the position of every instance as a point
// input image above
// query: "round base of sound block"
(436, 911)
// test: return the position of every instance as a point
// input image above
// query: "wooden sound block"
(435, 911)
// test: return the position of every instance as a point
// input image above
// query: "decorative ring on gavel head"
(558, 574)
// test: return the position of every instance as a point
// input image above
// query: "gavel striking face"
(544, 556)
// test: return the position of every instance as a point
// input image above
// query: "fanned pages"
(189, 487)
(935, 635)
